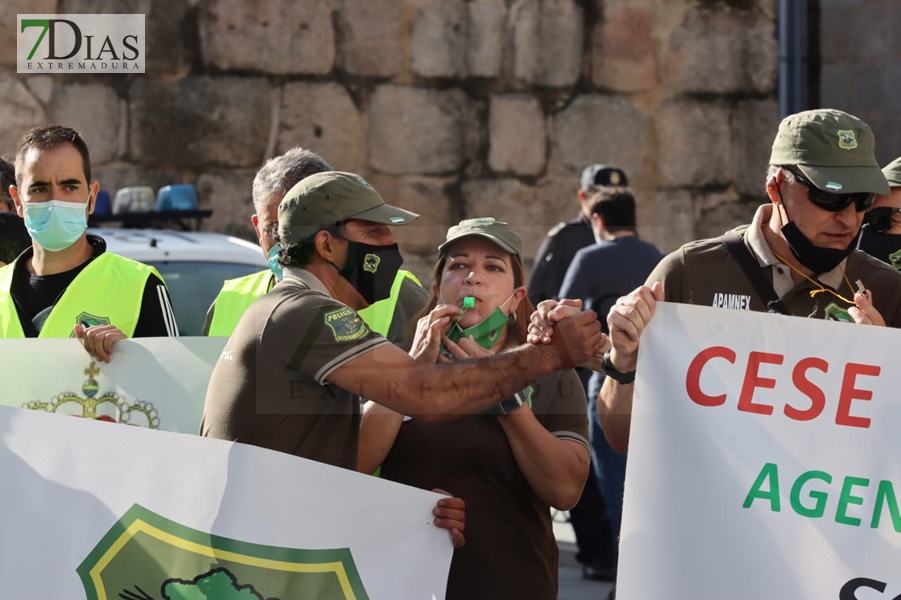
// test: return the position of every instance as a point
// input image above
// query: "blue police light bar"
(176, 197)
(103, 205)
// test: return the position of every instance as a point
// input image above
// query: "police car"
(194, 264)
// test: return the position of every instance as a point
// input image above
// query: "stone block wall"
(860, 70)
(451, 108)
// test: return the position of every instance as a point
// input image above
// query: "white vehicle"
(193, 264)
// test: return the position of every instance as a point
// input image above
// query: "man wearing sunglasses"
(797, 257)
(881, 233)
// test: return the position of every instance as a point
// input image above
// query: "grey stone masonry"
(547, 41)
(199, 122)
(323, 117)
(722, 51)
(601, 129)
(373, 37)
(517, 135)
(429, 197)
(453, 38)
(666, 218)
(93, 111)
(623, 55)
(419, 131)
(530, 210)
(439, 38)
(695, 147)
(276, 36)
(485, 39)
(755, 124)
(19, 111)
(228, 193)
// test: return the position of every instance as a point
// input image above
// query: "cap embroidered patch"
(832, 186)
(846, 139)
(397, 220)
(346, 325)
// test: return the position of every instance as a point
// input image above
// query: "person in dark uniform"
(594, 536)
(565, 239)
(599, 275)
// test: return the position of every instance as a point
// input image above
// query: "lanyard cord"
(821, 287)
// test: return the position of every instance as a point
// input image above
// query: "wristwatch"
(611, 372)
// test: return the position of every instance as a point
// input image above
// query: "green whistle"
(469, 302)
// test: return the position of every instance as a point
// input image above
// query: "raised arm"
(389, 376)
(627, 320)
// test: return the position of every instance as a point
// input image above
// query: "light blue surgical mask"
(273, 262)
(55, 225)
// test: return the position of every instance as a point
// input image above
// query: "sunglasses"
(830, 201)
(880, 219)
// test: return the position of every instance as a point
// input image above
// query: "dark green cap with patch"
(327, 198)
(486, 227)
(892, 172)
(833, 149)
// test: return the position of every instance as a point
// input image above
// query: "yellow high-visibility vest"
(107, 292)
(238, 294)
(378, 316)
(234, 298)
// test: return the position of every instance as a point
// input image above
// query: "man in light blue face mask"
(66, 284)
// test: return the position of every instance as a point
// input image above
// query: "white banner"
(159, 383)
(101, 511)
(762, 460)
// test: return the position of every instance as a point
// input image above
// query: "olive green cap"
(833, 149)
(892, 172)
(486, 227)
(327, 198)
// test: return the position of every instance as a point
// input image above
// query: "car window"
(194, 285)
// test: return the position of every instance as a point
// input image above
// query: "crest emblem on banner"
(145, 556)
(105, 406)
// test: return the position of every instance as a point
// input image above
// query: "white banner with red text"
(762, 459)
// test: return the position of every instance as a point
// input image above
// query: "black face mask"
(371, 269)
(815, 258)
(884, 246)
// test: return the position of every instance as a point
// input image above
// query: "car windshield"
(194, 285)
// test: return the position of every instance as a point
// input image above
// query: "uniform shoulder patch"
(834, 312)
(346, 325)
(556, 229)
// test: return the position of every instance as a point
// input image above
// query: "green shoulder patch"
(346, 325)
(834, 312)
(556, 229)
(144, 554)
(894, 259)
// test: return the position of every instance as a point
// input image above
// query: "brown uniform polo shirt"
(269, 387)
(704, 273)
(510, 549)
